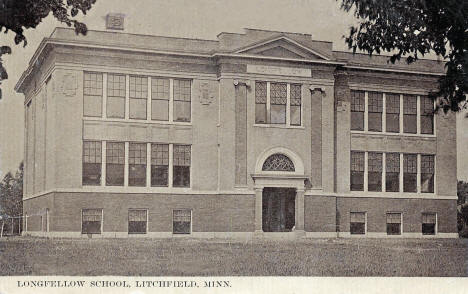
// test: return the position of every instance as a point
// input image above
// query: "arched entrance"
(279, 190)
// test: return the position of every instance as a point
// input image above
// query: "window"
(278, 162)
(115, 96)
(91, 163)
(374, 172)
(357, 110)
(159, 165)
(260, 102)
(278, 99)
(137, 221)
(392, 172)
(160, 99)
(181, 221)
(295, 105)
(394, 223)
(181, 166)
(115, 163)
(91, 221)
(357, 171)
(137, 164)
(392, 113)
(410, 171)
(429, 221)
(427, 173)
(410, 114)
(92, 94)
(357, 225)
(182, 107)
(138, 93)
(375, 111)
(427, 115)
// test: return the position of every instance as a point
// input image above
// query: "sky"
(201, 19)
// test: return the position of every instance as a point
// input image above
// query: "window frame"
(130, 97)
(145, 156)
(95, 142)
(101, 221)
(146, 210)
(401, 222)
(189, 167)
(436, 223)
(85, 74)
(191, 222)
(365, 223)
(357, 152)
(125, 156)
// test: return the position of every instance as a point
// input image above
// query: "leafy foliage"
(11, 194)
(19, 15)
(414, 28)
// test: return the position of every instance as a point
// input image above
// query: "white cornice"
(393, 70)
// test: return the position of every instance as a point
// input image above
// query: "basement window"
(394, 223)
(91, 221)
(429, 221)
(137, 221)
(357, 225)
(181, 221)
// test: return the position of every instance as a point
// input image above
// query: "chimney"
(115, 21)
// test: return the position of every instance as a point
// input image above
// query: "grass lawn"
(187, 257)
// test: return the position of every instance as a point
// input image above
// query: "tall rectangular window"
(392, 110)
(115, 96)
(357, 171)
(357, 225)
(375, 111)
(137, 221)
(427, 115)
(91, 221)
(115, 163)
(181, 166)
(410, 114)
(182, 100)
(138, 92)
(410, 170)
(91, 163)
(278, 98)
(160, 99)
(427, 173)
(394, 223)
(295, 105)
(374, 172)
(92, 94)
(159, 165)
(181, 221)
(392, 172)
(260, 102)
(137, 164)
(357, 110)
(429, 222)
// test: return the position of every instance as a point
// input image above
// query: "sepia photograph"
(187, 145)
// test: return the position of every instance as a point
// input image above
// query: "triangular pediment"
(281, 47)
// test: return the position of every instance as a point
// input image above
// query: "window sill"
(391, 194)
(279, 126)
(136, 190)
(394, 134)
(143, 121)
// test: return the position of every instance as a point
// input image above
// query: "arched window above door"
(278, 162)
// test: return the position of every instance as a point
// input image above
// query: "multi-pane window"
(115, 96)
(392, 172)
(115, 163)
(394, 223)
(137, 164)
(91, 221)
(182, 100)
(181, 166)
(392, 113)
(357, 171)
(138, 94)
(429, 222)
(160, 96)
(91, 163)
(427, 173)
(357, 110)
(357, 225)
(410, 114)
(374, 172)
(260, 102)
(92, 94)
(295, 105)
(410, 170)
(427, 115)
(159, 165)
(278, 99)
(181, 221)
(137, 221)
(375, 101)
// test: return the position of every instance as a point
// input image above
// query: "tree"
(11, 193)
(462, 192)
(414, 28)
(18, 15)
